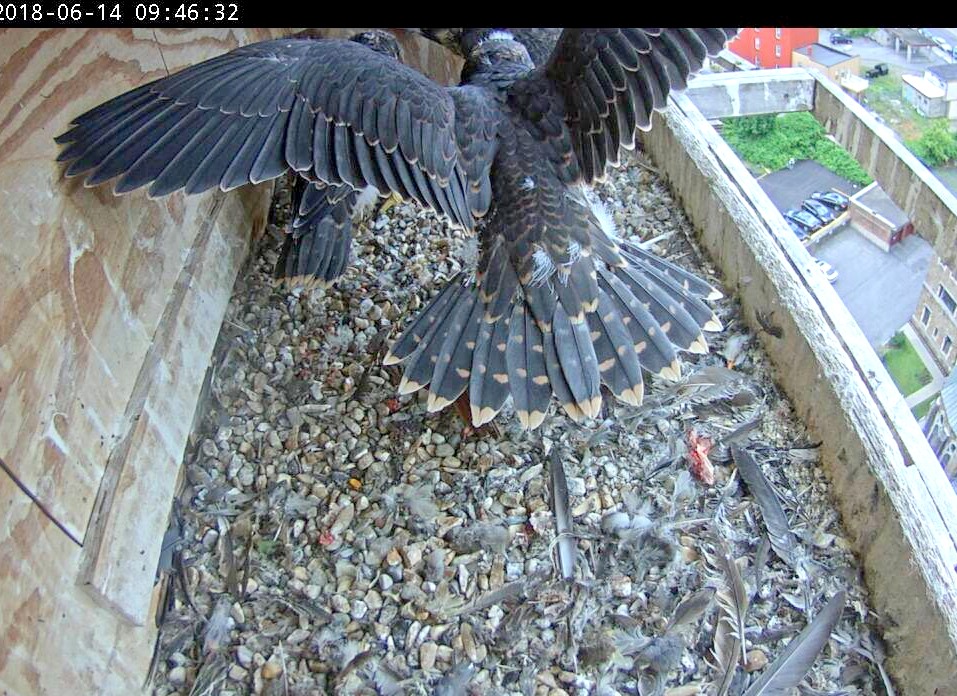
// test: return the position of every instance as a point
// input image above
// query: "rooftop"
(824, 55)
(945, 71)
(925, 87)
(910, 37)
(874, 198)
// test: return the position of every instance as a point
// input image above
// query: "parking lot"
(787, 188)
(879, 288)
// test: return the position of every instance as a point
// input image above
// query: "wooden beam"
(721, 95)
(839, 388)
(920, 194)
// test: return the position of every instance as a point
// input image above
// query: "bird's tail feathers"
(589, 324)
(316, 249)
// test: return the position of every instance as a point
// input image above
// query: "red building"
(769, 47)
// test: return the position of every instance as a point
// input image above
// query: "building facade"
(940, 426)
(945, 77)
(771, 47)
(936, 316)
(830, 61)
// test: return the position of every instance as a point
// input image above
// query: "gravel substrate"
(336, 538)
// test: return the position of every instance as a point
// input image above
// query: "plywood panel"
(87, 275)
(122, 545)
(53, 638)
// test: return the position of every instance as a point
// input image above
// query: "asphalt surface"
(787, 188)
(881, 289)
(872, 52)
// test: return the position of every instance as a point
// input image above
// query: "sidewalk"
(937, 380)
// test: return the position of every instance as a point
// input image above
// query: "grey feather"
(561, 507)
(790, 668)
(783, 541)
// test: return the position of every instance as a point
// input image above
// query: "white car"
(827, 269)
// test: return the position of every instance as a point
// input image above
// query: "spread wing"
(605, 83)
(336, 111)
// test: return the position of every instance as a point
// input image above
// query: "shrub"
(936, 146)
(771, 141)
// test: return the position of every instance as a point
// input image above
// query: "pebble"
(271, 670)
(382, 527)
(359, 609)
(244, 656)
(427, 654)
(621, 585)
(755, 660)
(298, 636)
(177, 676)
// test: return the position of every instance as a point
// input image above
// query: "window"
(777, 33)
(946, 298)
(757, 44)
(925, 316)
(947, 345)
(777, 51)
(936, 332)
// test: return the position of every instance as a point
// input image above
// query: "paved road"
(880, 289)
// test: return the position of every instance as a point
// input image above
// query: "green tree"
(936, 146)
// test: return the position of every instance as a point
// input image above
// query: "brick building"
(771, 47)
(878, 218)
(936, 316)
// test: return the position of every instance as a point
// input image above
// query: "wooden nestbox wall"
(110, 310)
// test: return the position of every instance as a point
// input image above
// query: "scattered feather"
(791, 666)
(561, 507)
(783, 541)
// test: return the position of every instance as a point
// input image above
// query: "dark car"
(797, 229)
(877, 71)
(818, 210)
(832, 199)
(839, 38)
(803, 218)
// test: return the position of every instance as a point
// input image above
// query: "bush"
(859, 32)
(936, 146)
(772, 141)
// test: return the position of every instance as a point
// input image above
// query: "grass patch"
(905, 366)
(921, 409)
(770, 142)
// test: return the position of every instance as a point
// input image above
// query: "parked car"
(803, 218)
(839, 38)
(877, 71)
(818, 210)
(828, 270)
(832, 199)
(797, 229)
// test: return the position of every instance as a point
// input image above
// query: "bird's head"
(498, 57)
(498, 47)
(380, 42)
